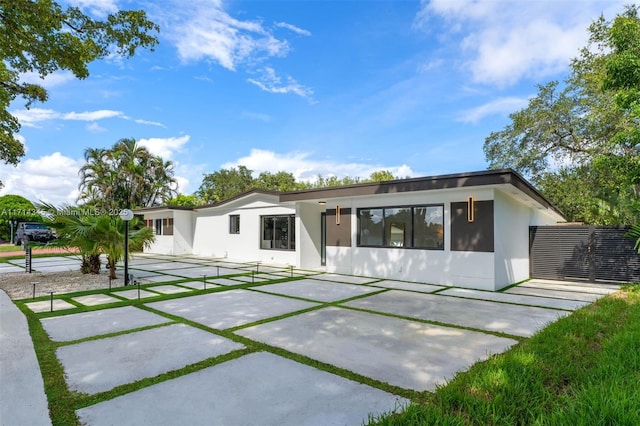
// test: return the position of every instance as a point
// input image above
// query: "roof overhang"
(245, 197)
(161, 209)
(497, 178)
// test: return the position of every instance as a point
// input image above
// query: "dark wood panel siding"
(472, 236)
(339, 235)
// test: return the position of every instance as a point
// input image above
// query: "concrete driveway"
(259, 338)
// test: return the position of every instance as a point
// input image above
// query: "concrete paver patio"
(322, 291)
(95, 299)
(363, 336)
(257, 389)
(559, 294)
(480, 314)
(545, 302)
(230, 308)
(47, 306)
(96, 323)
(404, 353)
(99, 365)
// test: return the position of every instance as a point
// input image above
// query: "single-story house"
(468, 229)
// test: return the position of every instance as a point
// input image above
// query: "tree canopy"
(579, 140)
(226, 183)
(15, 207)
(126, 175)
(41, 37)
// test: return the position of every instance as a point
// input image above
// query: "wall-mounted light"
(337, 214)
(471, 209)
(322, 203)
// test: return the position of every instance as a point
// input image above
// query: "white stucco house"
(468, 229)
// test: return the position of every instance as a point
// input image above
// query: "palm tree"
(111, 230)
(124, 176)
(74, 231)
(94, 235)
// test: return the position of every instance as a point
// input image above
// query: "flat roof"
(427, 183)
(160, 208)
(449, 181)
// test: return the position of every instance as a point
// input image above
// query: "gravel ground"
(18, 285)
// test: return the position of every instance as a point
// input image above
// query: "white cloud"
(96, 7)
(91, 115)
(503, 41)
(54, 79)
(203, 30)
(500, 106)
(293, 28)
(149, 123)
(304, 168)
(30, 117)
(265, 118)
(165, 147)
(50, 178)
(95, 128)
(204, 78)
(270, 82)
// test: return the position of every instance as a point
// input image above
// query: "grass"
(4, 248)
(583, 369)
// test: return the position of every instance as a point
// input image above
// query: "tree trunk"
(111, 264)
(84, 266)
(94, 264)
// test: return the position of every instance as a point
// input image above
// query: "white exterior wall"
(182, 232)
(511, 225)
(512, 219)
(308, 235)
(211, 237)
(466, 269)
(163, 244)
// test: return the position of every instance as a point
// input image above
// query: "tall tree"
(280, 181)
(40, 36)
(381, 176)
(183, 200)
(17, 208)
(126, 175)
(581, 132)
(225, 183)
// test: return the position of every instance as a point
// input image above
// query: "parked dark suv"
(33, 231)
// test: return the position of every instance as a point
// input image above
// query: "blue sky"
(323, 87)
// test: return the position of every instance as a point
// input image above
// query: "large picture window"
(407, 226)
(278, 232)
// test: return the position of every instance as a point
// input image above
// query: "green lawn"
(9, 247)
(581, 370)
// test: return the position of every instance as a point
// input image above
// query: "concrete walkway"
(22, 397)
